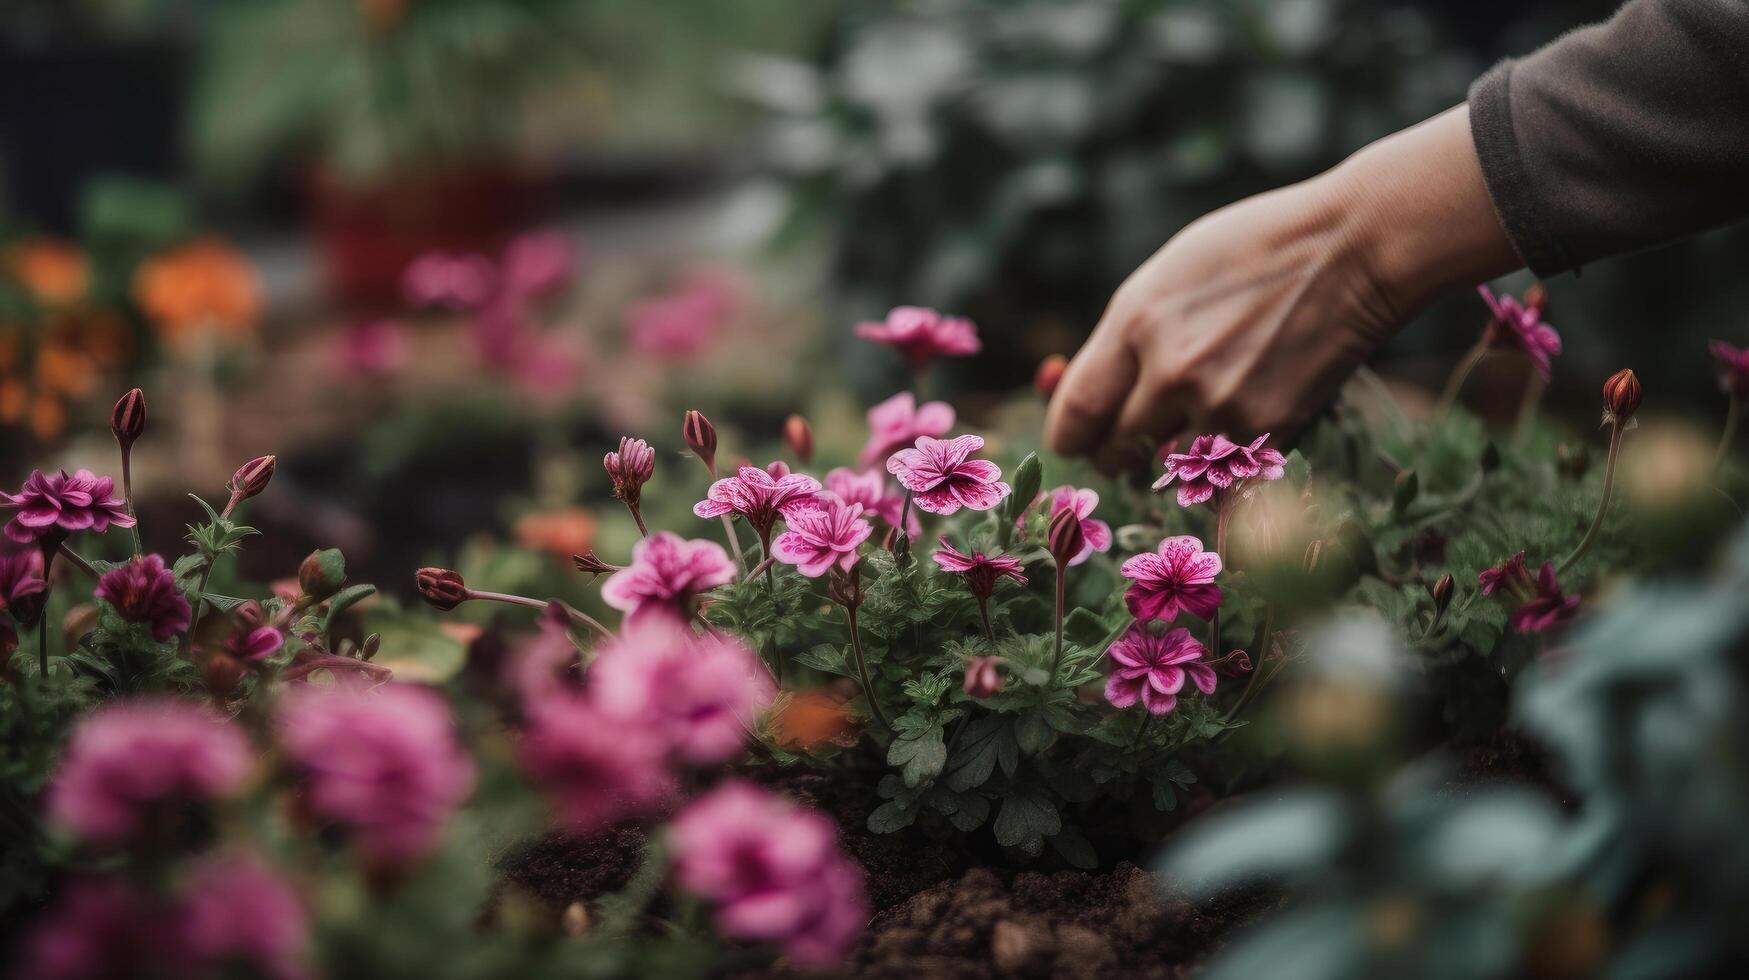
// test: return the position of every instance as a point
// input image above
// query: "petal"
(1166, 680)
(1121, 693)
(1200, 601)
(978, 496)
(1202, 676)
(981, 470)
(940, 500)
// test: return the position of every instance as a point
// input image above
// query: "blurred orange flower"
(54, 271)
(805, 719)
(65, 370)
(203, 285)
(561, 533)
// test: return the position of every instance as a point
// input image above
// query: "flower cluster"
(52, 505)
(759, 497)
(921, 335)
(666, 574)
(144, 591)
(1215, 463)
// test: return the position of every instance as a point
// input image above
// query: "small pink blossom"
(58, 504)
(1547, 606)
(875, 491)
(687, 320)
(630, 467)
(538, 263)
(758, 497)
(131, 765)
(235, 916)
(942, 476)
(699, 695)
(824, 535)
(251, 645)
(898, 421)
(1095, 534)
(1510, 574)
(1516, 326)
(983, 677)
(772, 870)
(666, 573)
(381, 763)
(144, 591)
(461, 282)
(980, 571)
(370, 349)
(1733, 368)
(593, 769)
(1215, 462)
(1150, 667)
(21, 575)
(1180, 576)
(921, 334)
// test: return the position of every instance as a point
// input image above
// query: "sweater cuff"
(1504, 172)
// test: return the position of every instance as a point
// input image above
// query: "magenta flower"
(593, 770)
(380, 763)
(758, 497)
(96, 928)
(236, 917)
(630, 467)
(144, 591)
(980, 571)
(1733, 368)
(21, 574)
(921, 334)
(250, 645)
(1095, 534)
(1547, 606)
(61, 504)
(1215, 462)
(537, 263)
(666, 572)
(461, 282)
(898, 422)
(1179, 577)
(1516, 326)
(370, 349)
(942, 476)
(1150, 667)
(875, 491)
(772, 870)
(699, 695)
(130, 766)
(1511, 574)
(687, 320)
(821, 536)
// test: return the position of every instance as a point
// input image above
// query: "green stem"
(1460, 374)
(1057, 656)
(1730, 432)
(79, 561)
(868, 691)
(127, 492)
(984, 614)
(1223, 510)
(1533, 395)
(1615, 433)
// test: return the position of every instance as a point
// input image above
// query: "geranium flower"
(1511, 573)
(1095, 534)
(980, 571)
(250, 645)
(95, 928)
(772, 870)
(1151, 668)
(1215, 462)
(685, 321)
(61, 504)
(758, 497)
(21, 574)
(144, 591)
(921, 334)
(698, 694)
(1516, 326)
(593, 769)
(537, 263)
(875, 491)
(460, 282)
(983, 678)
(1179, 576)
(235, 913)
(129, 765)
(820, 536)
(898, 422)
(630, 467)
(1547, 606)
(370, 349)
(1733, 368)
(666, 573)
(942, 476)
(381, 763)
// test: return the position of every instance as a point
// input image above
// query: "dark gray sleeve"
(1619, 136)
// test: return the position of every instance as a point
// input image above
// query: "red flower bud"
(701, 438)
(1049, 373)
(322, 573)
(983, 679)
(1442, 593)
(1065, 538)
(442, 587)
(128, 419)
(1537, 297)
(1621, 396)
(222, 674)
(589, 562)
(799, 438)
(251, 478)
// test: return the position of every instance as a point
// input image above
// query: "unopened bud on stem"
(701, 438)
(128, 420)
(442, 587)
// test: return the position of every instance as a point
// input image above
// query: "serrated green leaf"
(1025, 820)
(890, 817)
(919, 757)
(1074, 848)
(973, 811)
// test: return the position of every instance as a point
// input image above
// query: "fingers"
(1093, 389)
(1154, 411)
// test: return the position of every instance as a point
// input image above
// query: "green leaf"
(1408, 487)
(1027, 477)
(1032, 733)
(920, 758)
(972, 812)
(343, 600)
(1025, 820)
(1074, 848)
(974, 759)
(827, 658)
(890, 817)
(223, 603)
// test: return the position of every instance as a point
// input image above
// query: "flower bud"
(1621, 396)
(799, 438)
(1049, 373)
(222, 674)
(1537, 298)
(983, 679)
(322, 573)
(251, 478)
(589, 562)
(442, 587)
(630, 467)
(1442, 590)
(128, 419)
(701, 438)
(369, 647)
(1065, 538)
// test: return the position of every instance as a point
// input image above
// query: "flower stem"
(1223, 510)
(1142, 730)
(868, 692)
(761, 567)
(734, 542)
(1615, 433)
(639, 518)
(1533, 395)
(79, 560)
(1460, 374)
(1730, 431)
(127, 493)
(576, 615)
(1256, 663)
(1057, 656)
(984, 614)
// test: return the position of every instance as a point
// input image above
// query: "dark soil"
(558, 869)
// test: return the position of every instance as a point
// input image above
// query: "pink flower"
(1547, 605)
(630, 467)
(131, 765)
(1733, 368)
(922, 334)
(144, 591)
(874, 490)
(758, 497)
(942, 476)
(983, 677)
(594, 770)
(1096, 535)
(666, 572)
(21, 574)
(687, 320)
(249, 645)
(61, 504)
(1215, 462)
(898, 421)
(235, 917)
(1151, 667)
(537, 263)
(457, 281)
(1180, 576)
(370, 349)
(382, 763)
(1515, 326)
(773, 870)
(1511, 573)
(96, 928)
(821, 536)
(980, 571)
(697, 694)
